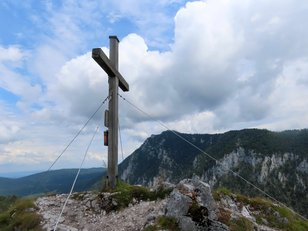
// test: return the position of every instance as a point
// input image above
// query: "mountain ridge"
(14, 175)
(58, 181)
(269, 160)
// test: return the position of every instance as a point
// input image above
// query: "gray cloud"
(231, 65)
(226, 58)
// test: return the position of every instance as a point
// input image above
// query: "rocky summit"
(84, 213)
(190, 206)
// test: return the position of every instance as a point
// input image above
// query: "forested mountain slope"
(276, 162)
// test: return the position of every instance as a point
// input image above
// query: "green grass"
(294, 221)
(169, 223)
(257, 203)
(265, 211)
(18, 214)
(276, 216)
(224, 191)
(5, 202)
(125, 194)
(221, 191)
(241, 224)
(164, 223)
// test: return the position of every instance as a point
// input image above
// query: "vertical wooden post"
(113, 115)
(115, 80)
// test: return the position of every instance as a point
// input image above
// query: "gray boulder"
(194, 207)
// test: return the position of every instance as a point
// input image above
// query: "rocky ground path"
(85, 214)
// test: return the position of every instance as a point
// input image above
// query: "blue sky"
(198, 66)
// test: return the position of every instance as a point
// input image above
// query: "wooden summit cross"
(115, 80)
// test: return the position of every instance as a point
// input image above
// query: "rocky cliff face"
(275, 162)
(163, 156)
(262, 166)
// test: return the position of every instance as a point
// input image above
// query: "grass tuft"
(241, 224)
(164, 223)
(125, 194)
(265, 212)
(18, 214)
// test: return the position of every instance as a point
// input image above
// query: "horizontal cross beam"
(99, 56)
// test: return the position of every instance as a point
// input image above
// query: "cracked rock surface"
(191, 203)
(85, 214)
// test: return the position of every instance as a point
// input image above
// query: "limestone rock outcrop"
(194, 207)
(84, 212)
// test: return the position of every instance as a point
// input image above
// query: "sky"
(195, 66)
